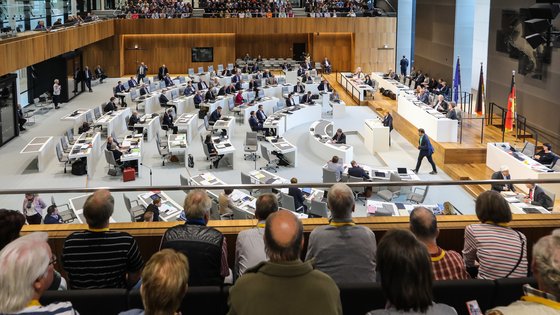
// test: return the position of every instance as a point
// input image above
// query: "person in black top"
(21, 120)
(357, 171)
(168, 120)
(198, 99)
(299, 88)
(154, 209)
(388, 121)
(324, 86)
(212, 150)
(298, 196)
(114, 147)
(210, 95)
(110, 106)
(307, 98)
(84, 127)
(503, 173)
(100, 74)
(545, 156)
(339, 137)
(133, 120)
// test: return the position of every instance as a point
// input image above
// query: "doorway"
(298, 49)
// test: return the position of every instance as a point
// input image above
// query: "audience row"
(268, 259)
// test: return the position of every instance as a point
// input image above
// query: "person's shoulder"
(323, 281)
(134, 311)
(58, 308)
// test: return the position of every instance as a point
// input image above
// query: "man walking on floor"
(426, 150)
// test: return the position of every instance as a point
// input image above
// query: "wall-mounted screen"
(202, 54)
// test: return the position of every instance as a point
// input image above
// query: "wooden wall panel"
(335, 46)
(175, 51)
(103, 53)
(369, 34)
(17, 54)
(268, 45)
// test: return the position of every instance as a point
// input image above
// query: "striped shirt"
(60, 308)
(96, 260)
(497, 249)
(448, 265)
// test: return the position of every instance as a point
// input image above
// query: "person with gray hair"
(546, 269)
(303, 289)
(249, 247)
(205, 247)
(99, 258)
(27, 271)
(343, 250)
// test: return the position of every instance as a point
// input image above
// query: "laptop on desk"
(380, 174)
(403, 172)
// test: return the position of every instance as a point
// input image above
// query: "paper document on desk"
(165, 207)
(512, 199)
(258, 175)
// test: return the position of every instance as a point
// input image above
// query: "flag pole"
(514, 114)
(460, 91)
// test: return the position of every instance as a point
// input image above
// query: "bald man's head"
(423, 224)
(98, 208)
(283, 236)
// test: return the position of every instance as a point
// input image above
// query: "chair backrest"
(394, 178)
(251, 141)
(528, 149)
(329, 176)
(70, 134)
(205, 149)
(158, 145)
(59, 154)
(288, 202)
(96, 112)
(200, 69)
(207, 124)
(127, 203)
(556, 167)
(64, 142)
(549, 194)
(319, 208)
(554, 161)
(354, 179)
(264, 153)
(245, 179)
(214, 211)
(184, 181)
(110, 158)
(220, 68)
(190, 71)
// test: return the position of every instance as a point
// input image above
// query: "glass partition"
(386, 196)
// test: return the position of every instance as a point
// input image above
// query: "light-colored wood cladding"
(174, 50)
(17, 54)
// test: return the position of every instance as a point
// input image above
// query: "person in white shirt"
(56, 93)
(335, 165)
(249, 248)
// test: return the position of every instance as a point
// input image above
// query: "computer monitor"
(220, 68)
(210, 68)
(306, 191)
(191, 71)
(200, 69)
(379, 174)
(182, 80)
(402, 170)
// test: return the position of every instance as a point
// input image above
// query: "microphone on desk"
(150, 172)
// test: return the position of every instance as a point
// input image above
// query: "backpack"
(79, 167)
(190, 161)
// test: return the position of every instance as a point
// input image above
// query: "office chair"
(289, 203)
(136, 212)
(358, 191)
(391, 191)
(62, 158)
(251, 146)
(318, 209)
(416, 197)
(271, 164)
(110, 158)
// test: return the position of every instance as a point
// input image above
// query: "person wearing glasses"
(29, 262)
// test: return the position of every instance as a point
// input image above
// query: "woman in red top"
(239, 98)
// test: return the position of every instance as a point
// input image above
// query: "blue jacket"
(49, 219)
(426, 147)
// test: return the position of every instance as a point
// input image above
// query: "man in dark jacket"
(205, 246)
(426, 150)
(538, 197)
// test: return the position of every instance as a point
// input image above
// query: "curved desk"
(320, 133)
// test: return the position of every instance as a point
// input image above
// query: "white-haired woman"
(27, 271)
